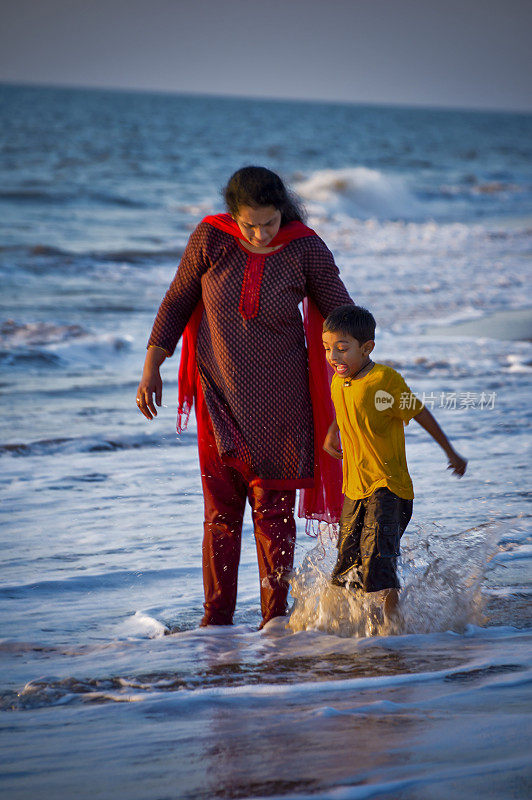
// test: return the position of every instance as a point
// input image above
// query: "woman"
(235, 298)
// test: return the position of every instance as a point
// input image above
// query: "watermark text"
(451, 400)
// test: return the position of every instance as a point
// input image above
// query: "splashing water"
(441, 575)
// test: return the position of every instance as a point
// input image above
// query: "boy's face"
(345, 354)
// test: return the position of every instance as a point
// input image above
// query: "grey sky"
(462, 53)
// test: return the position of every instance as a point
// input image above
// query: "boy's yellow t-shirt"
(371, 413)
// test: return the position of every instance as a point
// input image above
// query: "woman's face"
(258, 225)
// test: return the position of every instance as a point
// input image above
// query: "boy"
(372, 404)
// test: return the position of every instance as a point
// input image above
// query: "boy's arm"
(332, 443)
(456, 463)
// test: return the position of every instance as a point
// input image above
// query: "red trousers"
(225, 492)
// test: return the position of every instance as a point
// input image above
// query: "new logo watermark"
(383, 400)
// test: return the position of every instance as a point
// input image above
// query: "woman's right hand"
(151, 383)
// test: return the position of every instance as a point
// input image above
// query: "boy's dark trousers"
(370, 531)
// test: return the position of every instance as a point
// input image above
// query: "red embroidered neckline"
(251, 283)
(249, 297)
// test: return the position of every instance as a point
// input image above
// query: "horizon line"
(266, 98)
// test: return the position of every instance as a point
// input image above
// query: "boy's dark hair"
(258, 186)
(356, 321)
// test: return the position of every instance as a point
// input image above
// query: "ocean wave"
(85, 583)
(360, 193)
(29, 358)
(90, 444)
(47, 251)
(117, 200)
(139, 256)
(47, 343)
(168, 692)
(18, 334)
(406, 240)
(33, 256)
(471, 187)
(52, 195)
(36, 196)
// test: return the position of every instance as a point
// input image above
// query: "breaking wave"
(360, 193)
(25, 344)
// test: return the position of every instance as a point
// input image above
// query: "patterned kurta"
(254, 372)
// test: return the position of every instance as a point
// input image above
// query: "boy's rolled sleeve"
(405, 403)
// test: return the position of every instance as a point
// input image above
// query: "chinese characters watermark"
(450, 400)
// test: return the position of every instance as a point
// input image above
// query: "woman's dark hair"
(358, 322)
(258, 186)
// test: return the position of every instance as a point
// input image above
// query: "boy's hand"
(331, 443)
(456, 463)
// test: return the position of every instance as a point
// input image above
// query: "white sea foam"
(141, 624)
(442, 576)
(519, 362)
(359, 192)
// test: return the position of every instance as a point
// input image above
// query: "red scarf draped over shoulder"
(323, 502)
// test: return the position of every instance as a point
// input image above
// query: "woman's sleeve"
(183, 294)
(324, 285)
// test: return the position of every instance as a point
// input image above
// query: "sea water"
(108, 687)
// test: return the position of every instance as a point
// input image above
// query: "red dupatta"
(323, 502)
